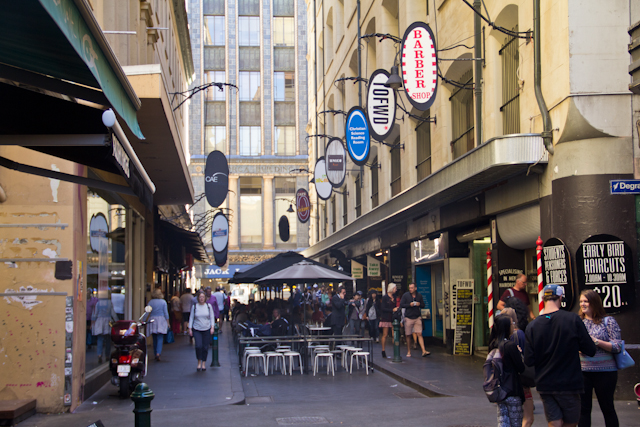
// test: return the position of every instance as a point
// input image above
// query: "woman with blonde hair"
(158, 321)
(388, 307)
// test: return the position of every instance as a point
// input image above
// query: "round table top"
(319, 328)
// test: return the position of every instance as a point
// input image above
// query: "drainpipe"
(477, 27)
(360, 85)
(547, 136)
(315, 97)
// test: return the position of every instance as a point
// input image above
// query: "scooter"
(129, 359)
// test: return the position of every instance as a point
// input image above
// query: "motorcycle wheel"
(124, 387)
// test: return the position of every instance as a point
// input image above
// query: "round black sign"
(216, 178)
(556, 269)
(220, 258)
(283, 228)
(605, 265)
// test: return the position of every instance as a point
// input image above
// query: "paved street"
(220, 396)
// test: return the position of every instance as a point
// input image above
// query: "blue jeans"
(203, 340)
(354, 326)
(373, 329)
(158, 339)
(104, 346)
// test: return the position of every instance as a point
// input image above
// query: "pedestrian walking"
(176, 313)
(600, 372)
(356, 310)
(102, 314)
(388, 307)
(372, 315)
(554, 341)
(413, 302)
(510, 409)
(220, 297)
(338, 311)
(519, 290)
(158, 323)
(185, 301)
(201, 324)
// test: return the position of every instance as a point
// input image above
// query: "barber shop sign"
(419, 65)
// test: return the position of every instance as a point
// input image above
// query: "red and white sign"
(419, 65)
(303, 205)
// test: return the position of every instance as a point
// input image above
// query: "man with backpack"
(519, 291)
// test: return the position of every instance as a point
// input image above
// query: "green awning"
(60, 38)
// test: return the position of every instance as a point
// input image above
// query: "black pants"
(604, 384)
(203, 339)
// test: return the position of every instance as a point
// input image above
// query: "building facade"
(260, 124)
(489, 166)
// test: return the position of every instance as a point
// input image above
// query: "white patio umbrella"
(305, 271)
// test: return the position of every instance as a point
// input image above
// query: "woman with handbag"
(388, 308)
(600, 372)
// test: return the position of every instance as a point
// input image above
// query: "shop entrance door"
(429, 284)
(479, 270)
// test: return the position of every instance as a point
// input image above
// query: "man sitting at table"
(279, 326)
(317, 316)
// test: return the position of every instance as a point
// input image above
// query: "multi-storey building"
(489, 166)
(260, 47)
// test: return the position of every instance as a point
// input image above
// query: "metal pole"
(214, 347)
(142, 398)
(396, 341)
(477, 27)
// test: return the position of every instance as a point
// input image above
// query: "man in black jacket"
(412, 302)
(554, 340)
(338, 304)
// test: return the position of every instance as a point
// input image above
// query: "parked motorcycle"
(129, 359)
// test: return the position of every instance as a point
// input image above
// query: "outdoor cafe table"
(318, 329)
(355, 339)
(272, 341)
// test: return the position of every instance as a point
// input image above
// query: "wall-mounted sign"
(419, 65)
(464, 317)
(556, 269)
(604, 264)
(220, 258)
(625, 186)
(219, 232)
(303, 205)
(121, 156)
(323, 186)
(98, 228)
(214, 272)
(283, 228)
(373, 267)
(216, 178)
(358, 140)
(336, 161)
(357, 270)
(381, 105)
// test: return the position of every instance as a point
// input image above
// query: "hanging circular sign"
(216, 178)
(323, 186)
(98, 228)
(381, 105)
(604, 264)
(358, 140)
(556, 269)
(220, 258)
(336, 162)
(419, 65)
(303, 205)
(283, 228)
(219, 232)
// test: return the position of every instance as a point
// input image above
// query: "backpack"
(493, 370)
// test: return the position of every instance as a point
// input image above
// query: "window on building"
(248, 7)
(249, 114)
(249, 31)
(284, 113)
(283, 86)
(251, 212)
(510, 107)
(345, 213)
(374, 183)
(284, 31)
(285, 191)
(358, 196)
(462, 118)
(284, 59)
(214, 93)
(334, 215)
(214, 58)
(396, 169)
(213, 7)
(250, 141)
(285, 137)
(214, 30)
(283, 8)
(423, 141)
(215, 138)
(215, 113)
(249, 85)
(249, 58)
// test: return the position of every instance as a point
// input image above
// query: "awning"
(190, 240)
(61, 39)
(494, 161)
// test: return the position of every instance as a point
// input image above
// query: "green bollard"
(142, 398)
(396, 341)
(214, 347)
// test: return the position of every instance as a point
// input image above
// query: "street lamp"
(394, 81)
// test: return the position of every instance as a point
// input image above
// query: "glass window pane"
(284, 59)
(214, 30)
(283, 8)
(215, 139)
(214, 58)
(283, 31)
(214, 93)
(251, 219)
(213, 7)
(249, 31)
(248, 7)
(285, 137)
(250, 140)
(284, 83)
(249, 86)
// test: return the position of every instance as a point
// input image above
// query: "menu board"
(556, 269)
(462, 343)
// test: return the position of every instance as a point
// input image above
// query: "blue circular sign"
(358, 139)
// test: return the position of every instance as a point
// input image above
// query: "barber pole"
(489, 290)
(540, 281)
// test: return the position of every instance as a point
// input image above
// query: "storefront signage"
(373, 267)
(381, 105)
(323, 186)
(120, 155)
(283, 228)
(336, 162)
(358, 139)
(303, 205)
(419, 65)
(625, 186)
(556, 269)
(214, 272)
(220, 232)
(357, 270)
(463, 314)
(507, 277)
(216, 178)
(604, 264)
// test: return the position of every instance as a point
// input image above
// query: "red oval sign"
(303, 205)
(419, 65)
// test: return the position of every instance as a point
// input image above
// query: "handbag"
(623, 360)
(169, 338)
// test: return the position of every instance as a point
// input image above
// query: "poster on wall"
(420, 65)
(323, 186)
(303, 205)
(463, 338)
(336, 161)
(556, 269)
(604, 264)
(357, 133)
(381, 106)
